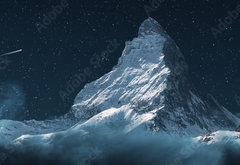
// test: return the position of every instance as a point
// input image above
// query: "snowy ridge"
(151, 74)
(10, 130)
(136, 80)
(148, 88)
(221, 137)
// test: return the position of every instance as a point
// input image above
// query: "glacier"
(147, 95)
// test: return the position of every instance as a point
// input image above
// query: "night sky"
(56, 49)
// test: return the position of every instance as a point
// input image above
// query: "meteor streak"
(13, 52)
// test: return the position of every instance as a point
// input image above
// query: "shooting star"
(13, 52)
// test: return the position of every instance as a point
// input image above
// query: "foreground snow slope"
(10, 130)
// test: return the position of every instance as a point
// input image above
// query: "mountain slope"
(10, 130)
(149, 87)
(152, 76)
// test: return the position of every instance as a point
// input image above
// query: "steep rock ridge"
(151, 76)
(137, 80)
(149, 87)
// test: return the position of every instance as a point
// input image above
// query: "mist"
(12, 101)
(96, 147)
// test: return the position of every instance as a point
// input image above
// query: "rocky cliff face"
(149, 87)
(152, 77)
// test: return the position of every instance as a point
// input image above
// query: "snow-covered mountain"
(149, 87)
(151, 78)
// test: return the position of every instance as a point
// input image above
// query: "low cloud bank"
(136, 148)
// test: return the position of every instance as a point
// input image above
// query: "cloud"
(138, 147)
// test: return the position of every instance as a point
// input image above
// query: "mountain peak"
(173, 56)
(151, 82)
(149, 27)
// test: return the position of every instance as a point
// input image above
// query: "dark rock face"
(179, 108)
(183, 106)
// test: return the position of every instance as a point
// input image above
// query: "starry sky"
(63, 39)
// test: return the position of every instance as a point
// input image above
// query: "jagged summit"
(149, 87)
(173, 56)
(151, 26)
(151, 83)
